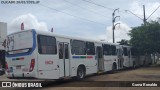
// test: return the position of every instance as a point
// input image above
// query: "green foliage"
(123, 42)
(146, 38)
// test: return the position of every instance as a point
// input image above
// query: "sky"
(91, 19)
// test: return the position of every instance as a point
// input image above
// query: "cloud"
(102, 37)
(121, 32)
(30, 22)
(137, 8)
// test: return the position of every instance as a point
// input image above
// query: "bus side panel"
(126, 61)
(47, 67)
(91, 65)
(89, 61)
(108, 62)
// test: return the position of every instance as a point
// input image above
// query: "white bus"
(45, 55)
(135, 57)
(128, 61)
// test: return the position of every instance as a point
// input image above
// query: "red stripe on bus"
(89, 56)
(22, 58)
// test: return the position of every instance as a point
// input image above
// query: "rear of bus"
(20, 55)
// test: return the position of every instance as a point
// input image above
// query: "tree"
(146, 38)
(123, 42)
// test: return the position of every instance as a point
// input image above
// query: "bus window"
(46, 45)
(113, 49)
(90, 48)
(66, 51)
(106, 49)
(125, 51)
(61, 51)
(78, 47)
(129, 52)
(19, 43)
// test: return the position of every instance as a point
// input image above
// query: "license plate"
(18, 67)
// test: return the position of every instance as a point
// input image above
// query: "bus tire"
(80, 73)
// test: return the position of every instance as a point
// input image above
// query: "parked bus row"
(45, 55)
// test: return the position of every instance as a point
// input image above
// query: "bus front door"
(64, 59)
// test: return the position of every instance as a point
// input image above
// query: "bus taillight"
(32, 65)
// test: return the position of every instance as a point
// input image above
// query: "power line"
(144, 20)
(134, 14)
(153, 12)
(98, 5)
(71, 14)
(124, 18)
(83, 8)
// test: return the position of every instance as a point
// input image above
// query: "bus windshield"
(21, 42)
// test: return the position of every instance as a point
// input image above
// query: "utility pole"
(144, 20)
(113, 21)
(144, 14)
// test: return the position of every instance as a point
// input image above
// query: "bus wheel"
(80, 73)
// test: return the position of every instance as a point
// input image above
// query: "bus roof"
(64, 36)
